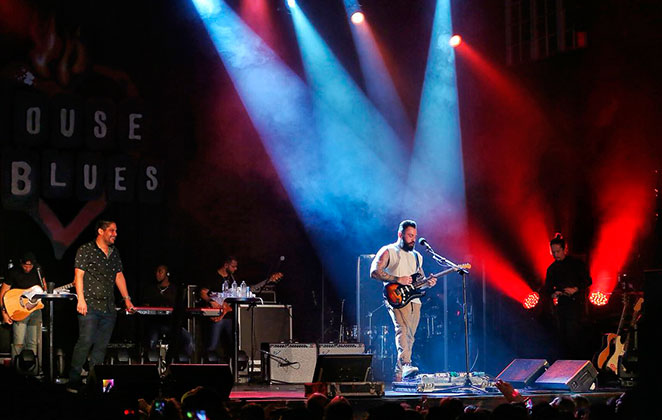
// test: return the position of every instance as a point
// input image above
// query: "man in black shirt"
(567, 283)
(163, 293)
(220, 330)
(25, 333)
(97, 268)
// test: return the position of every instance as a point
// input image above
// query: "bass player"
(396, 263)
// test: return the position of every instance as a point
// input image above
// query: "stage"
(275, 396)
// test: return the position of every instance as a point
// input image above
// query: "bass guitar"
(20, 303)
(617, 343)
(398, 295)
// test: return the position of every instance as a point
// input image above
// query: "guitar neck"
(65, 287)
(619, 330)
(422, 282)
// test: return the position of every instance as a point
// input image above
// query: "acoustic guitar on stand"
(398, 295)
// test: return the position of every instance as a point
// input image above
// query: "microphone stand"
(370, 324)
(467, 386)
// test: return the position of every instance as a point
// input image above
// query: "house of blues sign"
(73, 148)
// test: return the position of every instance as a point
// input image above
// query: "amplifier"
(568, 375)
(289, 363)
(341, 348)
(259, 324)
(268, 296)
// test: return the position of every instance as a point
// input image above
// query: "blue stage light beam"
(343, 111)
(279, 105)
(364, 160)
(378, 81)
(336, 182)
(436, 179)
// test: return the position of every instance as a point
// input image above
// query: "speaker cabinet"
(263, 324)
(568, 375)
(342, 368)
(137, 381)
(289, 363)
(521, 373)
(341, 348)
(184, 377)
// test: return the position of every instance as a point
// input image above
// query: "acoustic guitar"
(20, 303)
(398, 295)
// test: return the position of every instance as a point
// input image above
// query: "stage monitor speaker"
(521, 373)
(341, 348)
(342, 368)
(137, 381)
(185, 377)
(263, 324)
(289, 363)
(568, 375)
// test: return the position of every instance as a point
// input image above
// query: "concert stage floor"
(291, 394)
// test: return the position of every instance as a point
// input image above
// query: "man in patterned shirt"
(97, 268)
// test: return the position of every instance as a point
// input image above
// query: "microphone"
(425, 243)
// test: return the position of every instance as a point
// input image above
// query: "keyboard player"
(162, 293)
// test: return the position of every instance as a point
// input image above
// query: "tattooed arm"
(378, 269)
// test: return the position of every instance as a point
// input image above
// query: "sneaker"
(73, 389)
(409, 370)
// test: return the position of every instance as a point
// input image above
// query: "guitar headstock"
(275, 277)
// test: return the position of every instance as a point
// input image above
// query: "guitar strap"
(417, 255)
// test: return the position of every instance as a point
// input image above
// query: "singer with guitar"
(566, 283)
(25, 332)
(397, 263)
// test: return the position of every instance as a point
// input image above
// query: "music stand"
(50, 298)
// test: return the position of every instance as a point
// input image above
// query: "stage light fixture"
(598, 298)
(358, 18)
(531, 300)
(291, 3)
(455, 41)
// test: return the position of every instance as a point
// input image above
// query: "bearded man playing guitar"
(25, 332)
(397, 263)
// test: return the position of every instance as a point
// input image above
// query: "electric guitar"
(225, 308)
(20, 303)
(398, 295)
(619, 342)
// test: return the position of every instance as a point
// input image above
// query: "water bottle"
(242, 289)
(233, 288)
(225, 286)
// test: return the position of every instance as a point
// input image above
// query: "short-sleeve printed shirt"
(99, 278)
